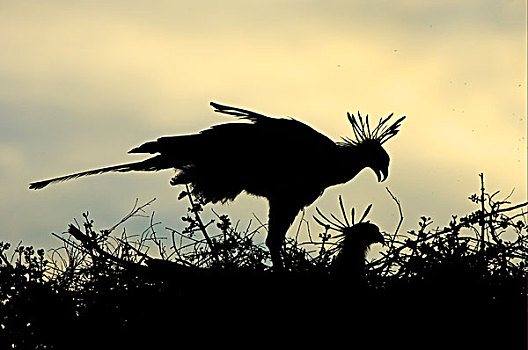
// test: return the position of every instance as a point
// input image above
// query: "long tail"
(151, 164)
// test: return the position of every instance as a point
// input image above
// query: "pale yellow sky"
(83, 82)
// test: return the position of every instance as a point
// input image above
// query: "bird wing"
(295, 129)
(167, 144)
(182, 142)
(264, 130)
(239, 112)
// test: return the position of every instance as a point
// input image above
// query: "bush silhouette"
(463, 285)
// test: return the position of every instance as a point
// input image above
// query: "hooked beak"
(381, 239)
(382, 175)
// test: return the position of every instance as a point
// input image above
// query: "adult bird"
(281, 159)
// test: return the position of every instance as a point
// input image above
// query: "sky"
(83, 82)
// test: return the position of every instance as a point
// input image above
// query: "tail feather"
(148, 147)
(151, 164)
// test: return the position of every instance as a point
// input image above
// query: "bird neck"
(351, 259)
(350, 161)
(356, 250)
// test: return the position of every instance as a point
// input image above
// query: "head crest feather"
(381, 133)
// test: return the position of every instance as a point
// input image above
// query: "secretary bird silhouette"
(281, 159)
(354, 242)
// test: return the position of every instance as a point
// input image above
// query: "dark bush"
(462, 286)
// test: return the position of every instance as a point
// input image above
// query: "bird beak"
(381, 239)
(382, 175)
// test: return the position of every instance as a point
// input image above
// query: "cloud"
(83, 82)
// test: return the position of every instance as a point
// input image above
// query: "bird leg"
(280, 219)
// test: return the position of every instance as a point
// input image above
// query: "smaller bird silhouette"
(351, 259)
(281, 159)
(354, 243)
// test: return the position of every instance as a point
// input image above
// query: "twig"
(92, 246)
(483, 211)
(300, 224)
(4, 258)
(401, 216)
(260, 222)
(134, 212)
(511, 208)
(201, 226)
(342, 206)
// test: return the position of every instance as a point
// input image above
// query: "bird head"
(355, 244)
(363, 234)
(352, 233)
(376, 158)
(354, 240)
(370, 141)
